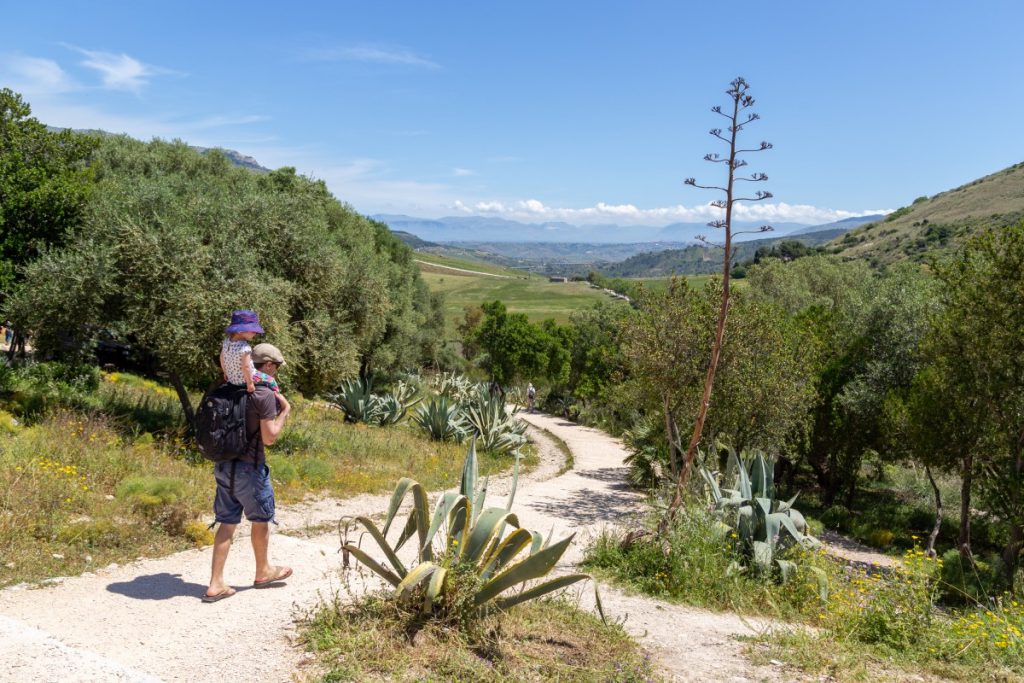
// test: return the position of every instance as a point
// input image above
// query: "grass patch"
(375, 639)
(83, 482)
(75, 494)
(700, 568)
(567, 459)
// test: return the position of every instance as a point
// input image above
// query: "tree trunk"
(1011, 554)
(186, 403)
(671, 435)
(964, 540)
(938, 514)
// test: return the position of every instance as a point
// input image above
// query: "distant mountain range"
(492, 230)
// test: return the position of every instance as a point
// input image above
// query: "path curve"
(144, 622)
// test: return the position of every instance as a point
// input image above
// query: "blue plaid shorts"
(243, 487)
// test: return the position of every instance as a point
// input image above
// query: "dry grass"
(940, 222)
(551, 640)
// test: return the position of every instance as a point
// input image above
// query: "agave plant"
(473, 540)
(764, 526)
(392, 407)
(455, 386)
(442, 419)
(354, 398)
(490, 422)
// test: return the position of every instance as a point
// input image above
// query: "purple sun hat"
(244, 321)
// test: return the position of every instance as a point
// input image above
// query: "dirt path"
(144, 622)
(461, 270)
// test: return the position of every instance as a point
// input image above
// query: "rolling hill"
(931, 225)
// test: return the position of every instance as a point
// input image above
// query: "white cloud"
(463, 172)
(373, 55)
(119, 71)
(629, 214)
(34, 73)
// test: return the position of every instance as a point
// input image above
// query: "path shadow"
(589, 507)
(157, 587)
(614, 476)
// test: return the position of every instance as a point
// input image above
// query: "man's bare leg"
(221, 547)
(265, 572)
(260, 544)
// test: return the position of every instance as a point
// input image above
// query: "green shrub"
(149, 491)
(964, 583)
(836, 517)
(282, 469)
(315, 472)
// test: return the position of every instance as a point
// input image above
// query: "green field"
(426, 260)
(523, 293)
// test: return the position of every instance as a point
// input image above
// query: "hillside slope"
(932, 225)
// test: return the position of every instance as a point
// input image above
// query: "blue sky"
(590, 112)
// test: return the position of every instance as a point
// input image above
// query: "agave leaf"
(377, 536)
(504, 551)
(822, 582)
(415, 577)
(417, 517)
(534, 566)
(467, 486)
(542, 589)
(434, 589)
(763, 556)
(445, 504)
(457, 522)
(379, 569)
(537, 543)
(488, 527)
(761, 477)
(742, 481)
(515, 482)
(481, 496)
(709, 479)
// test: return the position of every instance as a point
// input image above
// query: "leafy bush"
(836, 517)
(648, 454)
(475, 563)
(964, 583)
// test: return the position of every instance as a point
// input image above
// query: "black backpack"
(220, 423)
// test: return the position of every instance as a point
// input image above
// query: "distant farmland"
(521, 292)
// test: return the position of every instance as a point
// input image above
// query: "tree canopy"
(171, 241)
(44, 184)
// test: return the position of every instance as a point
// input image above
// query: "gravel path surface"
(144, 621)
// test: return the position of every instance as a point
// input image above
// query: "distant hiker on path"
(531, 396)
(243, 484)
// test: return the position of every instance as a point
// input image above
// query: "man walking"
(243, 484)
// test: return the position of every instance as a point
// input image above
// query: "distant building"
(555, 278)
